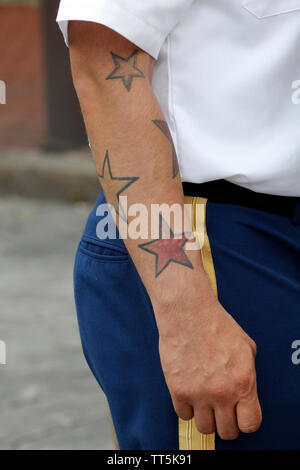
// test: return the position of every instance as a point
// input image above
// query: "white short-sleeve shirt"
(227, 76)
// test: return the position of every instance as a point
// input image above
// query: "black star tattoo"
(125, 69)
(114, 186)
(163, 126)
(168, 248)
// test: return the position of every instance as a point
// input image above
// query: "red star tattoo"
(114, 186)
(168, 248)
(163, 126)
(125, 70)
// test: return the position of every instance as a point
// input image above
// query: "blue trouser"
(256, 257)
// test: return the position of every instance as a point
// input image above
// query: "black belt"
(228, 193)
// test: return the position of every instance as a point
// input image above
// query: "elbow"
(83, 59)
(86, 80)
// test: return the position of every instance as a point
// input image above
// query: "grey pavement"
(48, 397)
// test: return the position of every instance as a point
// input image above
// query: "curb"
(69, 177)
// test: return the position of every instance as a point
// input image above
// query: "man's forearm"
(134, 153)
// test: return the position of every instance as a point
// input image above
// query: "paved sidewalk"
(49, 399)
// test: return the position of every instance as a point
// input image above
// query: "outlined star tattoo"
(163, 126)
(114, 186)
(125, 69)
(167, 249)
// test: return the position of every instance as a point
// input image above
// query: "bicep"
(101, 54)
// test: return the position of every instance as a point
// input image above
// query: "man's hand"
(208, 362)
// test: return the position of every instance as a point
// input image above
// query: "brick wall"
(23, 117)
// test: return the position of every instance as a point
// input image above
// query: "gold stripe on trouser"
(189, 437)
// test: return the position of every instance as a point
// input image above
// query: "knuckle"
(228, 435)
(219, 391)
(244, 382)
(179, 392)
(182, 393)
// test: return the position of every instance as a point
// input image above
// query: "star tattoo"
(125, 69)
(163, 126)
(114, 186)
(168, 248)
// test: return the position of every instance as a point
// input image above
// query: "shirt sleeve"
(146, 23)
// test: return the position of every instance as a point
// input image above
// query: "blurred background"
(49, 399)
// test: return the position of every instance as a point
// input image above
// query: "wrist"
(182, 302)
